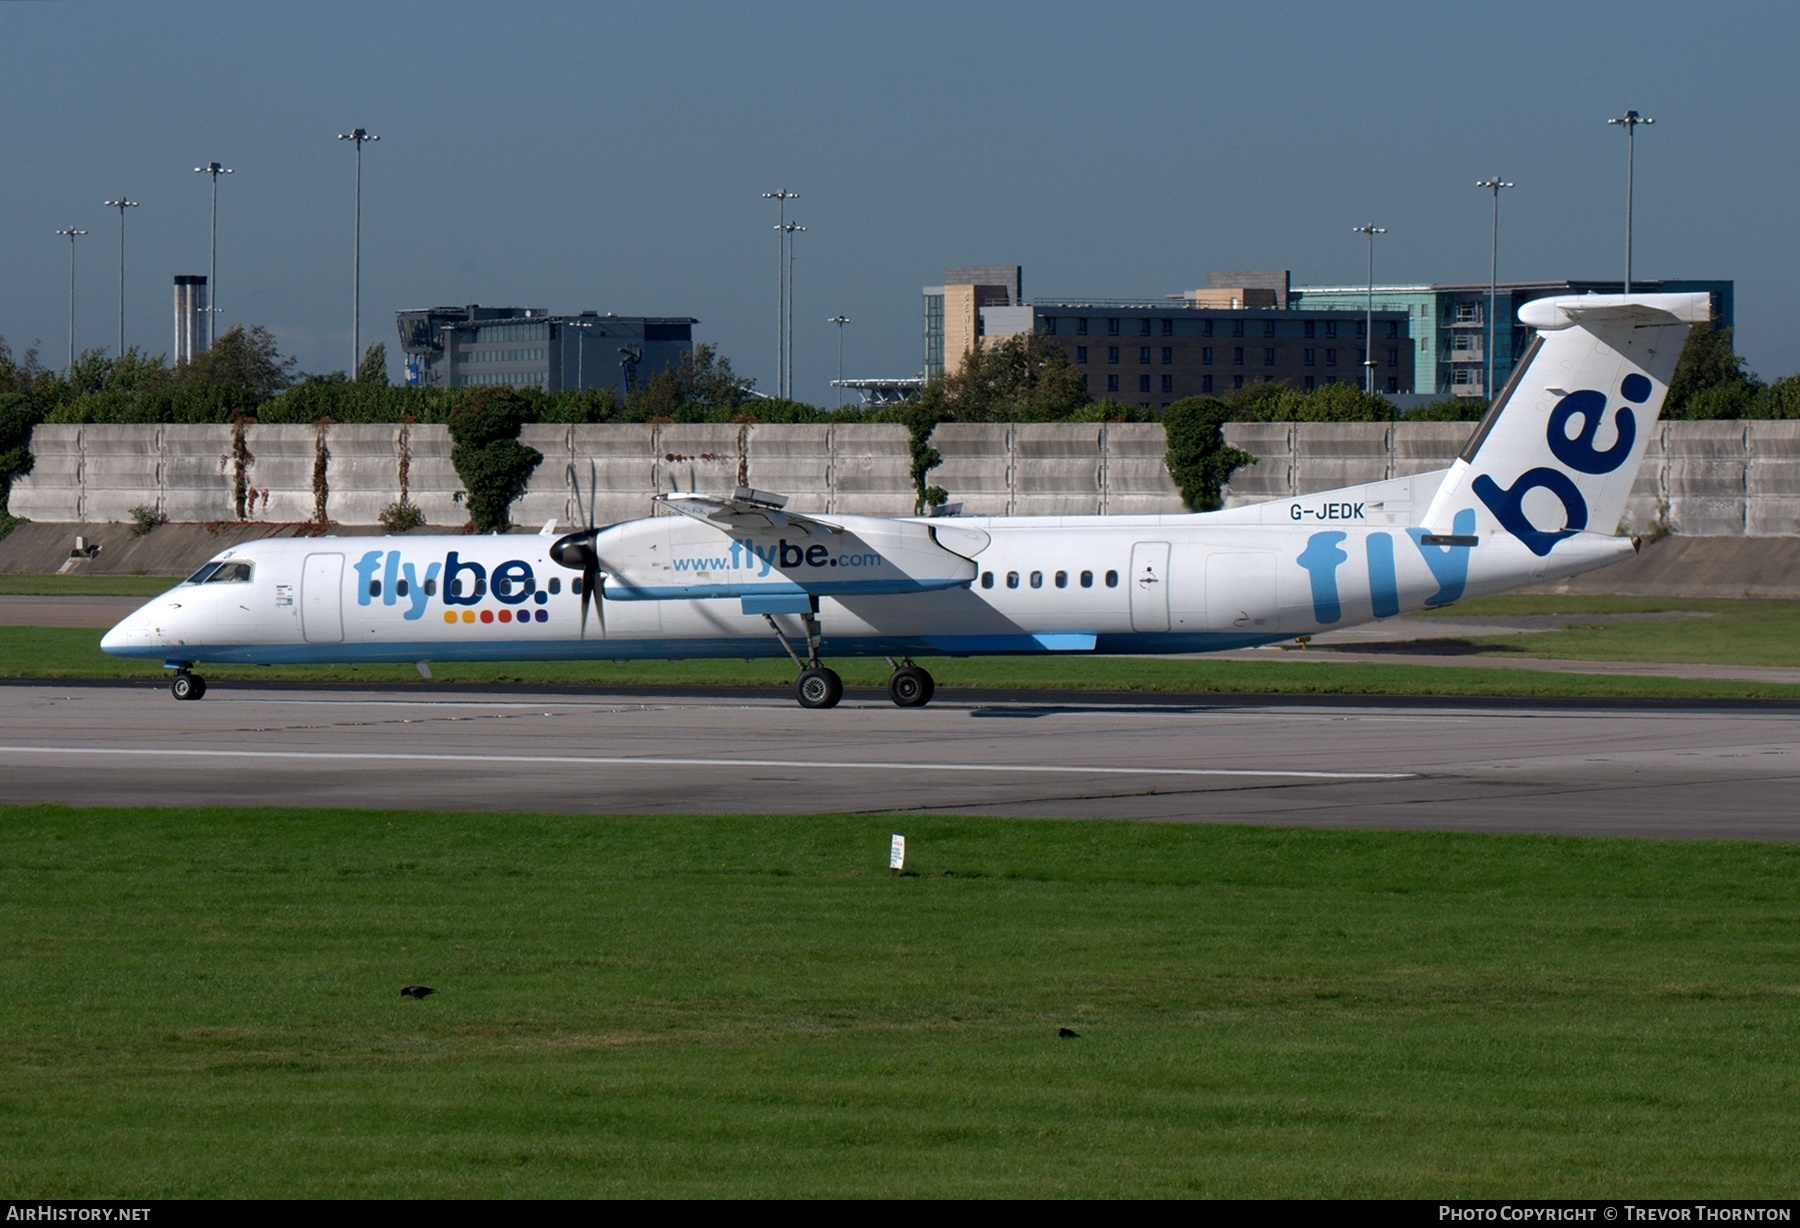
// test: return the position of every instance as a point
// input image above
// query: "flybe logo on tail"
(1578, 453)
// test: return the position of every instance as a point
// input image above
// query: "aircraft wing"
(747, 511)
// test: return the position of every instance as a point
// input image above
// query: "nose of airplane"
(133, 633)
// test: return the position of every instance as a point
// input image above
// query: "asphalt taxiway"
(1625, 769)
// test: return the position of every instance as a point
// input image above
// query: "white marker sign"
(897, 853)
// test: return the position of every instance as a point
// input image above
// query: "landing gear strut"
(818, 685)
(187, 686)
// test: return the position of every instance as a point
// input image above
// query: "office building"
(1233, 332)
(1450, 321)
(526, 347)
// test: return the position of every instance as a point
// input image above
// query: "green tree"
(17, 418)
(485, 449)
(1708, 362)
(247, 360)
(1780, 399)
(701, 386)
(1199, 459)
(373, 368)
(1025, 378)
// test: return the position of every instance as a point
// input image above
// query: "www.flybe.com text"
(783, 554)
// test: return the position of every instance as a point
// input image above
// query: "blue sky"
(575, 156)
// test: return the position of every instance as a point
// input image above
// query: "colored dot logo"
(504, 616)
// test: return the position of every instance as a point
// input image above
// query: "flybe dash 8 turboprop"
(1536, 495)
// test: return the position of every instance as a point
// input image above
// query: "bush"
(401, 517)
(143, 519)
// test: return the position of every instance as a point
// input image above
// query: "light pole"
(1369, 311)
(72, 233)
(781, 196)
(359, 136)
(1629, 121)
(121, 205)
(790, 229)
(1493, 184)
(212, 264)
(840, 321)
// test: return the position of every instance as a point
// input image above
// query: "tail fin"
(1549, 461)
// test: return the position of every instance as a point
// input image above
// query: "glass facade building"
(526, 347)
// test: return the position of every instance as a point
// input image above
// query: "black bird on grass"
(417, 991)
(1068, 1033)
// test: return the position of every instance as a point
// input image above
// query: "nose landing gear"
(187, 686)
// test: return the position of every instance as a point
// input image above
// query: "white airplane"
(1536, 495)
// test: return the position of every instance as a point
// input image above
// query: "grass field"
(206, 1003)
(1735, 632)
(85, 586)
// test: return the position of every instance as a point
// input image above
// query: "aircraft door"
(1149, 581)
(321, 599)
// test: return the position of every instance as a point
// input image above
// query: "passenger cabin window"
(1037, 579)
(230, 573)
(1112, 579)
(1087, 579)
(431, 588)
(1012, 579)
(374, 588)
(987, 579)
(555, 585)
(1062, 579)
(401, 588)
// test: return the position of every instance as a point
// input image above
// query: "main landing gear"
(820, 687)
(187, 686)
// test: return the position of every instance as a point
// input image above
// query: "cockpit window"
(199, 577)
(229, 573)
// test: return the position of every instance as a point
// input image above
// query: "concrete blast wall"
(1698, 478)
(1738, 479)
(1054, 468)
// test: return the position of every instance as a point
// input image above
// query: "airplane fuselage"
(1148, 584)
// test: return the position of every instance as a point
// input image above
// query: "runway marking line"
(670, 761)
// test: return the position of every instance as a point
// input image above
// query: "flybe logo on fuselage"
(384, 576)
(1577, 453)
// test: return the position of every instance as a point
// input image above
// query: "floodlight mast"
(212, 264)
(121, 205)
(1369, 310)
(72, 234)
(1494, 184)
(781, 196)
(840, 321)
(360, 137)
(1629, 121)
(791, 229)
